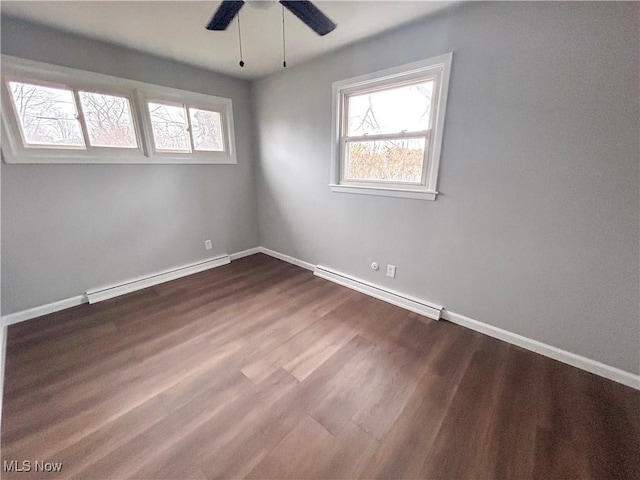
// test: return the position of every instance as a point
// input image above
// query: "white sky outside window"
(406, 107)
(47, 116)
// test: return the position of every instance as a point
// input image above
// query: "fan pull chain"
(284, 48)
(240, 42)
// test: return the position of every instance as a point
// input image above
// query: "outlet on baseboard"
(391, 271)
(207, 245)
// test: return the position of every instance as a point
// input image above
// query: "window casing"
(387, 130)
(129, 139)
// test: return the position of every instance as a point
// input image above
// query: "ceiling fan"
(304, 10)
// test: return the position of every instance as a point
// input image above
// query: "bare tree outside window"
(206, 130)
(399, 110)
(47, 115)
(108, 120)
(169, 124)
(386, 160)
(406, 108)
(59, 115)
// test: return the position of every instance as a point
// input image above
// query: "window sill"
(385, 192)
(105, 160)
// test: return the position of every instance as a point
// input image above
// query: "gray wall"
(536, 229)
(68, 228)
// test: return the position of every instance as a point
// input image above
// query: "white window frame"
(27, 71)
(194, 100)
(437, 69)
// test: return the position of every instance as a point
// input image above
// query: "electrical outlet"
(391, 271)
(207, 245)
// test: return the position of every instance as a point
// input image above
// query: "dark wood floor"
(260, 370)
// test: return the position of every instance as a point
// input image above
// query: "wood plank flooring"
(260, 370)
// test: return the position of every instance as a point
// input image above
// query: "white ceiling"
(175, 29)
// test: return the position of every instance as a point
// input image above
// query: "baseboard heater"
(412, 304)
(135, 284)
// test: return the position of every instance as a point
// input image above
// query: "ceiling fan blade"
(225, 13)
(310, 15)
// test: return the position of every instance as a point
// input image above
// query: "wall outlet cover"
(391, 271)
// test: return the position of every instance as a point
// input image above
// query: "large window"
(53, 114)
(388, 130)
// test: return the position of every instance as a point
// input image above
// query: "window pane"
(405, 108)
(108, 120)
(207, 130)
(47, 115)
(386, 160)
(169, 124)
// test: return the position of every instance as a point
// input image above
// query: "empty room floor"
(258, 369)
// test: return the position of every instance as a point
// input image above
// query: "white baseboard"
(593, 366)
(287, 258)
(412, 304)
(244, 253)
(105, 293)
(124, 287)
(35, 312)
(584, 363)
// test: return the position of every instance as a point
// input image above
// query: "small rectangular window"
(108, 120)
(206, 129)
(170, 127)
(47, 116)
(388, 130)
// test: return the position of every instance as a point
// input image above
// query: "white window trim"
(14, 151)
(196, 100)
(440, 67)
